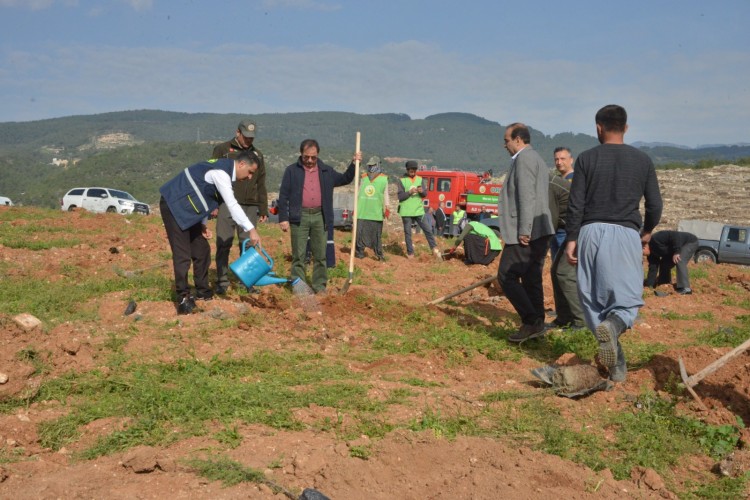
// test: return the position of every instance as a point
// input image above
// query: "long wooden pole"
(463, 290)
(354, 215)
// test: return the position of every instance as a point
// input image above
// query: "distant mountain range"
(138, 150)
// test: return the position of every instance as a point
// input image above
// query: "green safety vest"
(371, 197)
(486, 232)
(458, 214)
(412, 206)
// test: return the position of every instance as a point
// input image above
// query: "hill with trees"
(138, 150)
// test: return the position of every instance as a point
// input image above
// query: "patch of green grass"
(743, 304)
(456, 343)
(37, 359)
(229, 436)
(160, 403)
(11, 455)
(510, 396)
(719, 440)
(725, 336)
(399, 396)
(40, 236)
(583, 447)
(385, 277)
(418, 382)
(372, 426)
(723, 488)
(640, 353)
(441, 268)
(226, 470)
(69, 299)
(698, 272)
(362, 452)
(580, 342)
(446, 426)
(655, 436)
(672, 315)
(342, 270)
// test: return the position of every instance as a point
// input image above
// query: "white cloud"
(704, 100)
(30, 4)
(140, 5)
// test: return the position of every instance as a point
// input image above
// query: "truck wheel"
(111, 210)
(71, 208)
(705, 256)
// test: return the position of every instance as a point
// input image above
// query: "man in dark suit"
(526, 227)
(668, 249)
(440, 219)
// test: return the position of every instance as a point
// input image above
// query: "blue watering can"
(253, 268)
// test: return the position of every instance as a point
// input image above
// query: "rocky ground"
(403, 464)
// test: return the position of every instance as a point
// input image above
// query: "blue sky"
(680, 68)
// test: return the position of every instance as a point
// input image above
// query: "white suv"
(96, 199)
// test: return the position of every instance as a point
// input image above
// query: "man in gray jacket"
(526, 227)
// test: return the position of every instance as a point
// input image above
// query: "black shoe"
(252, 290)
(685, 291)
(186, 306)
(221, 290)
(660, 293)
(528, 332)
(209, 295)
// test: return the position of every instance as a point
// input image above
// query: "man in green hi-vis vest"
(481, 241)
(411, 189)
(458, 221)
(372, 208)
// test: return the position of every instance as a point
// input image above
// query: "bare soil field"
(391, 296)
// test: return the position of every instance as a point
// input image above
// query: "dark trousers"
(520, 275)
(187, 246)
(225, 230)
(477, 250)
(420, 222)
(664, 264)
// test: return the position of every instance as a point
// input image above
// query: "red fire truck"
(470, 190)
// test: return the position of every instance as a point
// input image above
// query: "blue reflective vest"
(189, 197)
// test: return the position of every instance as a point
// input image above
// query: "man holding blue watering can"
(187, 202)
(306, 207)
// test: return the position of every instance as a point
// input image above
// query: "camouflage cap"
(247, 128)
(373, 160)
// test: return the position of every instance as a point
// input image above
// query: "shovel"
(354, 221)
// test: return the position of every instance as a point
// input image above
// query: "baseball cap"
(374, 160)
(247, 128)
(411, 164)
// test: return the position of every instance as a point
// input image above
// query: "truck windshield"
(121, 194)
